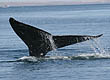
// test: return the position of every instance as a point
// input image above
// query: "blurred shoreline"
(15, 4)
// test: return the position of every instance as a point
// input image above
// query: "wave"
(93, 56)
(78, 57)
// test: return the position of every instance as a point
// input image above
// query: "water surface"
(83, 62)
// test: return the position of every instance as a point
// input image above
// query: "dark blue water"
(83, 62)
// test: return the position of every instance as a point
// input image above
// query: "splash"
(95, 45)
(78, 57)
(53, 46)
(99, 52)
(94, 56)
(28, 59)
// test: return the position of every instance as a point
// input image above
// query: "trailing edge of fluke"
(38, 41)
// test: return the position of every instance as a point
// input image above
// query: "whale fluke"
(66, 40)
(38, 41)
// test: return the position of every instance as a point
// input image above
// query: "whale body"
(38, 41)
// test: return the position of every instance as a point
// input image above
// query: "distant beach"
(44, 3)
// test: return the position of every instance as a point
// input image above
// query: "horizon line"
(9, 4)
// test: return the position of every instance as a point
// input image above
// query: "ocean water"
(89, 60)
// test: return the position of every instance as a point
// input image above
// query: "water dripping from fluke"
(52, 43)
(98, 49)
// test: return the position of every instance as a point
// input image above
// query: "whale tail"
(38, 40)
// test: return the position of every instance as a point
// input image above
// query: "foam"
(78, 57)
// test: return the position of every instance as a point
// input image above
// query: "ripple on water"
(78, 57)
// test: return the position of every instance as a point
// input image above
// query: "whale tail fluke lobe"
(66, 40)
(38, 40)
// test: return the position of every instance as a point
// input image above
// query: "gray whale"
(38, 41)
